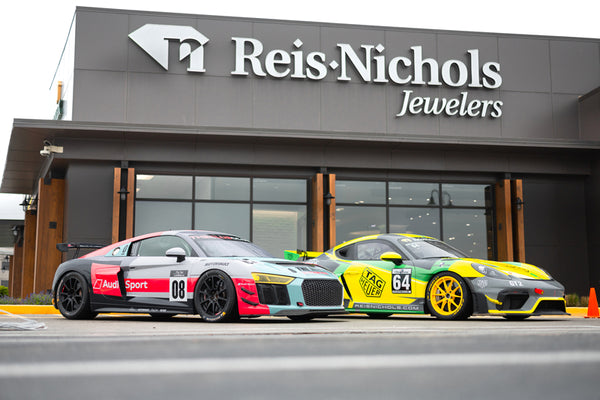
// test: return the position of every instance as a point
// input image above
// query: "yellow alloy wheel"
(448, 297)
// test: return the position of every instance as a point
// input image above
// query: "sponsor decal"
(371, 62)
(390, 307)
(104, 279)
(216, 264)
(515, 283)
(481, 283)
(371, 283)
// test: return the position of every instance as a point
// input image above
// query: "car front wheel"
(215, 298)
(448, 297)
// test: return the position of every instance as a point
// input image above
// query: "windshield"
(428, 248)
(228, 246)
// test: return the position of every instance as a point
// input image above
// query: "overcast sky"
(33, 34)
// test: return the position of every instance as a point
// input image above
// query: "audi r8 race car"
(404, 273)
(218, 276)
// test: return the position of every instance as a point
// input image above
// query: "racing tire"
(73, 297)
(214, 297)
(378, 315)
(448, 297)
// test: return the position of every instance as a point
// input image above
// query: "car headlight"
(489, 271)
(273, 279)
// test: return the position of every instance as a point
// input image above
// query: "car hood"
(514, 269)
(289, 268)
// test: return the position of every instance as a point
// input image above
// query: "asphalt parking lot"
(350, 357)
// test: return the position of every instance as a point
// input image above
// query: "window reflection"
(164, 187)
(223, 217)
(278, 227)
(421, 221)
(360, 192)
(222, 188)
(155, 216)
(356, 221)
(466, 230)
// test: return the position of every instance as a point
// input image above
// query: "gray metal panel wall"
(556, 229)
(116, 81)
(88, 214)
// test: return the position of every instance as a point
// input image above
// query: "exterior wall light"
(328, 197)
(123, 193)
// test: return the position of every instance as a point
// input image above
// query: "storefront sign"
(371, 62)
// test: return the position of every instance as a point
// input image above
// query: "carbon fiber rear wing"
(65, 247)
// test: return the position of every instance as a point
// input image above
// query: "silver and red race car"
(216, 275)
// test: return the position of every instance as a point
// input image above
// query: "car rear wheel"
(448, 297)
(73, 298)
(215, 298)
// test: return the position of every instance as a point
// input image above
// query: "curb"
(22, 309)
(579, 312)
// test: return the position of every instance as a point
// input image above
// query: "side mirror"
(176, 252)
(392, 257)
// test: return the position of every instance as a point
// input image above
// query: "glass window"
(372, 250)
(411, 193)
(275, 190)
(466, 230)
(155, 216)
(223, 217)
(277, 227)
(356, 221)
(222, 188)
(463, 195)
(416, 220)
(158, 246)
(360, 192)
(163, 187)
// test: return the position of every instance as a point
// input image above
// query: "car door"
(154, 280)
(376, 284)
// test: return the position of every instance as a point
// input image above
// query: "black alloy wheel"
(215, 298)
(73, 297)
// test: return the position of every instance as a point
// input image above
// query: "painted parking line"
(295, 363)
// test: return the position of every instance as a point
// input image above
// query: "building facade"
(300, 135)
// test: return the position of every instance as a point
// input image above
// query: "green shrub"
(3, 291)
(38, 299)
(573, 300)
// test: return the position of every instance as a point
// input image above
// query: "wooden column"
(517, 220)
(332, 231)
(317, 222)
(122, 217)
(49, 232)
(15, 273)
(504, 232)
(116, 205)
(130, 202)
(28, 270)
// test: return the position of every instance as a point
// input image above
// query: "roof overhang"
(25, 165)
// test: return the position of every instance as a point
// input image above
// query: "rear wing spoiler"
(300, 255)
(65, 247)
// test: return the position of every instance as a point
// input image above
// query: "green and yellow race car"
(404, 273)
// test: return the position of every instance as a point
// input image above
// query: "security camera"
(49, 149)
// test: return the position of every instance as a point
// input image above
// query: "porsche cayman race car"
(218, 276)
(403, 273)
